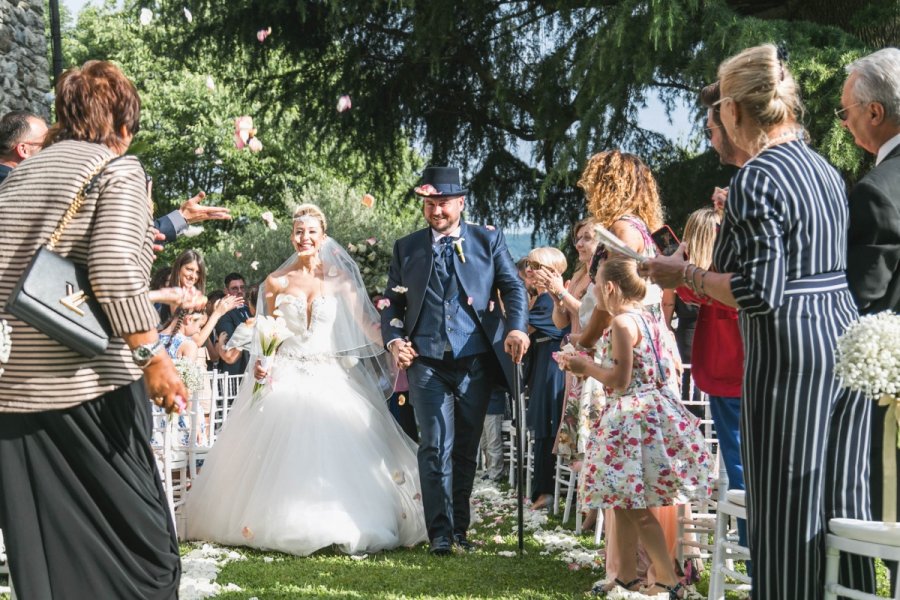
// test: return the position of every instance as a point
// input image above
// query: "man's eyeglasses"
(533, 265)
(709, 130)
(32, 143)
(841, 113)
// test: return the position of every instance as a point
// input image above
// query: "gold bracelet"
(703, 284)
(684, 279)
(694, 279)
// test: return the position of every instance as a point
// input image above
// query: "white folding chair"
(732, 504)
(865, 538)
(4, 570)
(172, 462)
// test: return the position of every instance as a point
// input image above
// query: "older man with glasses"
(21, 135)
(870, 111)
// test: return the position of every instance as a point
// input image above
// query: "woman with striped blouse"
(779, 260)
(82, 510)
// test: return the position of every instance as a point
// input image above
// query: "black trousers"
(82, 509)
(877, 480)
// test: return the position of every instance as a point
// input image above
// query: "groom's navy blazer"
(487, 275)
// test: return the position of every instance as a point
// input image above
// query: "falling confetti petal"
(199, 150)
(399, 289)
(218, 161)
(396, 323)
(269, 219)
(146, 16)
(371, 241)
(382, 303)
(262, 34)
(359, 556)
(417, 497)
(238, 254)
(368, 200)
(399, 477)
(254, 265)
(188, 15)
(255, 145)
(247, 533)
(490, 227)
(332, 272)
(242, 127)
(210, 84)
(469, 300)
(401, 400)
(344, 103)
(192, 231)
(491, 306)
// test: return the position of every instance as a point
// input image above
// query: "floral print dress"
(645, 449)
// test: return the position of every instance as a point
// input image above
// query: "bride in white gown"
(315, 460)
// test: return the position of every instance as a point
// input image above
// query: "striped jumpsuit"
(806, 439)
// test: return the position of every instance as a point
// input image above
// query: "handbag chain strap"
(76, 204)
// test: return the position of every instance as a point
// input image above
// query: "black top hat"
(440, 182)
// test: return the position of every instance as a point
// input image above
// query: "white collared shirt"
(887, 148)
(437, 235)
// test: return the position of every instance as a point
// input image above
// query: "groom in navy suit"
(444, 325)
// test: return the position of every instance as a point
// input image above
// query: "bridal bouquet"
(868, 360)
(5, 342)
(272, 332)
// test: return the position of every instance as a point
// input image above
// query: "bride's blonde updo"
(761, 84)
(311, 210)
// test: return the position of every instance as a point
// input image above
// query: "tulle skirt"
(316, 461)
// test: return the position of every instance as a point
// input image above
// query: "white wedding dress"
(316, 461)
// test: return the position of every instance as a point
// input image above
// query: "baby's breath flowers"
(869, 355)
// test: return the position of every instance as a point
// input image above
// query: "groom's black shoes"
(441, 546)
(464, 544)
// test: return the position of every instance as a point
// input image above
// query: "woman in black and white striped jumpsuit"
(780, 258)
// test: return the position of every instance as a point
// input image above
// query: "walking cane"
(519, 399)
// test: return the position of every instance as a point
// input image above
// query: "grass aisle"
(555, 565)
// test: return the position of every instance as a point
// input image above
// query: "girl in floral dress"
(645, 449)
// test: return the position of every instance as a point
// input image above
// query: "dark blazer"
(170, 225)
(487, 274)
(873, 239)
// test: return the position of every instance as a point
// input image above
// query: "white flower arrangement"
(272, 333)
(190, 374)
(869, 355)
(5, 342)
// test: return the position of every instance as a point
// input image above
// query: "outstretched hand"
(194, 212)
(666, 271)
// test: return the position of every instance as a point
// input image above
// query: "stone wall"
(24, 69)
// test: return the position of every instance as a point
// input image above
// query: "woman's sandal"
(602, 588)
(671, 589)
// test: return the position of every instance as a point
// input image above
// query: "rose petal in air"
(368, 200)
(188, 16)
(254, 265)
(146, 16)
(371, 241)
(255, 145)
(491, 306)
(399, 289)
(344, 103)
(469, 300)
(382, 303)
(399, 477)
(199, 150)
(242, 127)
(210, 84)
(262, 34)
(247, 533)
(238, 254)
(192, 231)
(490, 227)
(396, 323)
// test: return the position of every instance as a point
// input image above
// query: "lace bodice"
(311, 325)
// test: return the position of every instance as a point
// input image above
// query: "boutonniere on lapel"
(457, 247)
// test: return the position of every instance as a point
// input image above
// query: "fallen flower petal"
(372, 241)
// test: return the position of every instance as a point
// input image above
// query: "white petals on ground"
(507, 553)
(146, 16)
(199, 569)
